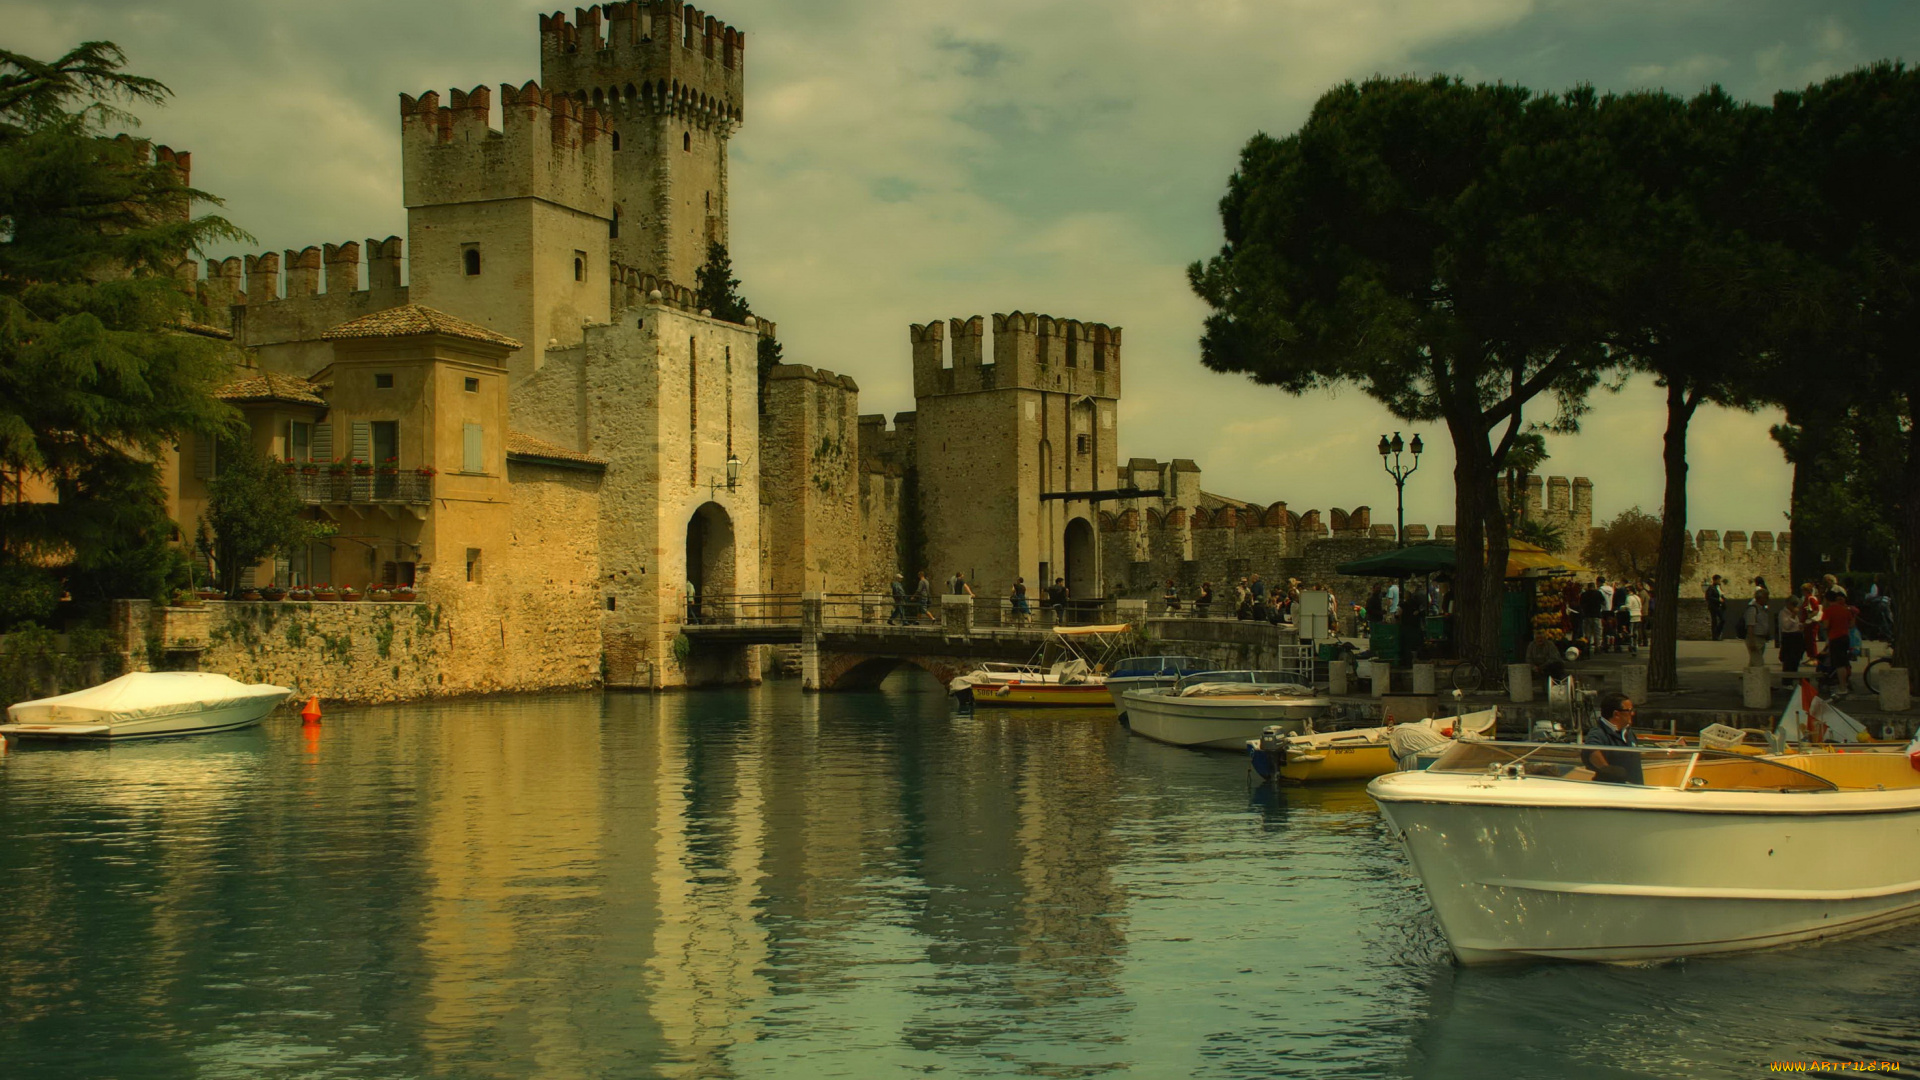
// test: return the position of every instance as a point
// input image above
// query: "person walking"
(899, 614)
(693, 603)
(1592, 604)
(1171, 598)
(957, 585)
(1022, 607)
(1375, 608)
(923, 598)
(1633, 611)
(1057, 595)
(1793, 635)
(1204, 601)
(1759, 623)
(1717, 606)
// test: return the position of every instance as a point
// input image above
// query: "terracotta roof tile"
(252, 384)
(409, 319)
(520, 444)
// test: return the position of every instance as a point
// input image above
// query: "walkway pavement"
(1709, 691)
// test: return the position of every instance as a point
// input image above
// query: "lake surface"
(761, 883)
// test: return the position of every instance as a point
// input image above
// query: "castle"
(541, 431)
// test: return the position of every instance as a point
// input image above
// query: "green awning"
(1428, 558)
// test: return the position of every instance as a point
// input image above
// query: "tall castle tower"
(509, 228)
(670, 79)
(1037, 418)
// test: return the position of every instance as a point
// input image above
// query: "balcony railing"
(402, 487)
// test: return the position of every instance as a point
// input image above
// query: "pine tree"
(96, 379)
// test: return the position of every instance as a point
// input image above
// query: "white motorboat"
(1149, 673)
(1524, 853)
(1362, 753)
(1070, 670)
(146, 704)
(1221, 711)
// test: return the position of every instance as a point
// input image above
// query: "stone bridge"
(850, 647)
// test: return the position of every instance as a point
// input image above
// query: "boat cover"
(138, 695)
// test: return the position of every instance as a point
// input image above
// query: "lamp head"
(1416, 446)
(733, 472)
(1398, 445)
(1385, 447)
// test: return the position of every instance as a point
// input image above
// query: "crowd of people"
(1819, 624)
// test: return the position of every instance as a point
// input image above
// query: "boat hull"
(1651, 874)
(1211, 723)
(228, 716)
(1363, 762)
(1024, 695)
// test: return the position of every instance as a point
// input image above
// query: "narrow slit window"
(579, 266)
(686, 140)
(470, 256)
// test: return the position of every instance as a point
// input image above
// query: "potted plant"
(273, 593)
(185, 598)
(379, 594)
(390, 467)
(403, 594)
(249, 594)
(348, 595)
(208, 592)
(426, 470)
(339, 468)
(362, 468)
(300, 593)
(324, 591)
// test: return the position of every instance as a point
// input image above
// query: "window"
(616, 140)
(299, 441)
(686, 140)
(709, 198)
(472, 458)
(579, 266)
(470, 254)
(473, 565)
(613, 227)
(383, 382)
(1083, 443)
(203, 457)
(386, 458)
(473, 386)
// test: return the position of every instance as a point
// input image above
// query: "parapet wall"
(634, 288)
(650, 54)
(1036, 352)
(549, 147)
(280, 303)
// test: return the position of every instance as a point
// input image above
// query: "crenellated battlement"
(273, 276)
(549, 147)
(1030, 351)
(634, 288)
(647, 54)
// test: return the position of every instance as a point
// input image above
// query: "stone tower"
(997, 431)
(670, 79)
(508, 228)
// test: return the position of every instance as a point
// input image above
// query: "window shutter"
(363, 441)
(203, 457)
(475, 458)
(323, 443)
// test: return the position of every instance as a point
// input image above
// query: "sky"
(902, 163)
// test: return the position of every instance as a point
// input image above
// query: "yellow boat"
(1353, 759)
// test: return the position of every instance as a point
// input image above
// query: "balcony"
(361, 494)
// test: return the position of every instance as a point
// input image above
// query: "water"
(766, 884)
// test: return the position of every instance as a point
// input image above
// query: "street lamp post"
(1392, 447)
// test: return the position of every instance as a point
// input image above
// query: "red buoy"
(311, 714)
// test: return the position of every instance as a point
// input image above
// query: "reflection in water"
(764, 883)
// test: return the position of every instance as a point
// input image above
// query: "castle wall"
(664, 408)
(671, 80)
(533, 202)
(281, 325)
(995, 429)
(811, 483)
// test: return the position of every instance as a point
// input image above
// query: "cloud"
(907, 162)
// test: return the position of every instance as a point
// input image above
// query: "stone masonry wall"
(810, 491)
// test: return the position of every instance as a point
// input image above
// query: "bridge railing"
(746, 609)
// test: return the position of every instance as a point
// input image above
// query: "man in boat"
(1614, 728)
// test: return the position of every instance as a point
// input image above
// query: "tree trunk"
(1906, 596)
(1663, 671)
(1477, 582)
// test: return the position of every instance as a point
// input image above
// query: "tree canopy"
(96, 381)
(1443, 247)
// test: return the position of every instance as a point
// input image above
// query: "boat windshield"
(1690, 768)
(1154, 665)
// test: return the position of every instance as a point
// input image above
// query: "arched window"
(579, 269)
(613, 227)
(616, 140)
(472, 257)
(686, 140)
